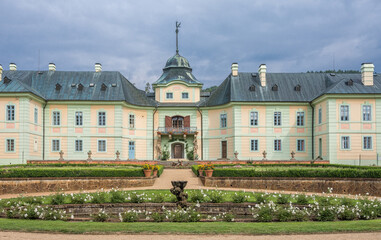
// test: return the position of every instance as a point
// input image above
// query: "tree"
(148, 88)
(210, 89)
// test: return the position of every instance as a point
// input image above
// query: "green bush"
(129, 216)
(58, 199)
(239, 197)
(302, 199)
(158, 217)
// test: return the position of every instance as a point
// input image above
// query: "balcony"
(177, 130)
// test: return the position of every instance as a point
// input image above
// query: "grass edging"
(273, 228)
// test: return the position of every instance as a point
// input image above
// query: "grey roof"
(177, 68)
(312, 85)
(43, 84)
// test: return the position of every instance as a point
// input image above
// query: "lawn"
(190, 228)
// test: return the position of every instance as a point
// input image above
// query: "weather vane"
(177, 34)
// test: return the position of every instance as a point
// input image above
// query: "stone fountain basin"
(180, 184)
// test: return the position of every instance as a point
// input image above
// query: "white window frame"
(367, 143)
(10, 112)
(35, 115)
(78, 145)
(187, 95)
(277, 145)
(300, 119)
(167, 95)
(56, 118)
(131, 120)
(277, 118)
(367, 113)
(300, 143)
(254, 116)
(223, 120)
(345, 143)
(344, 113)
(10, 145)
(105, 145)
(78, 118)
(102, 118)
(54, 145)
(254, 145)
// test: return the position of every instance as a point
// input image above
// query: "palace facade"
(334, 116)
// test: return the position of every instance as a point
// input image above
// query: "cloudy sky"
(137, 37)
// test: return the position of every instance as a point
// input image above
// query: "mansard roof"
(312, 85)
(43, 84)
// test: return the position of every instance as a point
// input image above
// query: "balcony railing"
(177, 131)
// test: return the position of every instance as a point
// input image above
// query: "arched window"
(177, 122)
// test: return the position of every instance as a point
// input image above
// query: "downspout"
(43, 131)
(202, 150)
(313, 131)
(153, 134)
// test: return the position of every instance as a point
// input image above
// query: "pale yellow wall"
(177, 90)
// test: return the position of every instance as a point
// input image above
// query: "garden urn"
(147, 172)
(208, 173)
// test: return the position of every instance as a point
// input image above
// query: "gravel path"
(43, 236)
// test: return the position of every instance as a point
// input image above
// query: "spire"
(177, 36)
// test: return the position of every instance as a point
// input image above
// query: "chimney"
(98, 67)
(367, 71)
(12, 66)
(52, 67)
(1, 73)
(234, 69)
(262, 74)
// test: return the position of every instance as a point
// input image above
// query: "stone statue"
(178, 191)
(61, 155)
(236, 155)
(264, 155)
(117, 155)
(292, 156)
(89, 155)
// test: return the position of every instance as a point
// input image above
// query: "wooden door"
(178, 151)
(224, 150)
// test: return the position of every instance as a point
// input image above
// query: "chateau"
(334, 116)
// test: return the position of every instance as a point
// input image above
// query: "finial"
(177, 34)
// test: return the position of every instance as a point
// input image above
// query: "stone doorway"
(177, 150)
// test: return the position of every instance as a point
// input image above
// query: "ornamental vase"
(200, 172)
(155, 173)
(147, 172)
(208, 173)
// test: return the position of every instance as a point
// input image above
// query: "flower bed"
(213, 205)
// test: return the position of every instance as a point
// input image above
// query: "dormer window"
(252, 88)
(80, 87)
(58, 86)
(7, 80)
(297, 88)
(103, 87)
(275, 88)
(73, 85)
(350, 82)
(91, 84)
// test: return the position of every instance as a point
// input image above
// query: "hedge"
(298, 172)
(73, 172)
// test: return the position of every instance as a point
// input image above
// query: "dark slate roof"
(43, 84)
(312, 85)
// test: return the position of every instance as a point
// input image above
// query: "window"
(254, 145)
(185, 95)
(10, 112)
(320, 116)
(223, 120)
(277, 118)
(344, 113)
(56, 145)
(56, 118)
(101, 145)
(367, 113)
(300, 118)
(132, 120)
(277, 145)
(78, 118)
(78, 145)
(345, 143)
(10, 145)
(300, 145)
(253, 118)
(177, 122)
(35, 115)
(102, 118)
(367, 143)
(169, 95)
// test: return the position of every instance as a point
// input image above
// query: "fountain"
(178, 191)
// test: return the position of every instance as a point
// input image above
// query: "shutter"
(168, 121)
(187, 121)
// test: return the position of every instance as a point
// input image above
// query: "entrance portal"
(177, 150)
